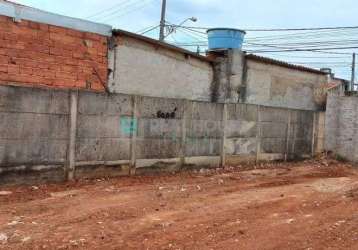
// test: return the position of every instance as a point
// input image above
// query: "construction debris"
(3, 238)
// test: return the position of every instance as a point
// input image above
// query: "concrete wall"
(229, 68)
(319, 128)
(52, 135)
(141, 68)
(277, 86)
(341, 127)
(33, 133)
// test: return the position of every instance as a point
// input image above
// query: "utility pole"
(353, 72)
(162, 21)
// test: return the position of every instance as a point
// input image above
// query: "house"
(78, 98)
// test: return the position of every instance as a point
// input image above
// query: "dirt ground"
(306, 205)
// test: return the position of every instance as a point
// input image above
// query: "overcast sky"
(134, 15)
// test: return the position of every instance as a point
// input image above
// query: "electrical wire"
(149, 30)
(297, 50)
(282, 29)
(107, 9)
(130, 8)
(145, 30)
(327, 44)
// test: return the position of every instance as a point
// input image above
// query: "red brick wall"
(40, 54)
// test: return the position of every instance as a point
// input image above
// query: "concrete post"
(258, 134)
(187, 104)
(288, 129)
(133, 144)
(70, 168)
(223, 143)
(293, 148)
(314, 132)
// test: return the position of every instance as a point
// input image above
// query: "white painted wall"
(146, 69)
(278, 86)
(140, 68)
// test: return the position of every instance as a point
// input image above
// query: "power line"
(297, 50)
(325, 42)
(313, 43)
(312, 57)
(107, 9)
(304, 34)
(145, 29)
(283, 29)
(199, 34)
(304, 29)
(138, 6)
(320, 46)
(149, 30)
(116, 12)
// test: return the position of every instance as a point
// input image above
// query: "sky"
(136, 15)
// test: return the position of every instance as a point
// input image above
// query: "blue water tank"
(225, 38)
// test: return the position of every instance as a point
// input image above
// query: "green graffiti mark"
(128, 125)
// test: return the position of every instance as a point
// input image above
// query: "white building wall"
(141, 68)
(277, 86)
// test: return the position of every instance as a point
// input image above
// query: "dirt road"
(307, 205)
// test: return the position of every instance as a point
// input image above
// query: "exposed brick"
(43, 35)
(4, 19)
(25, 62)
(6, 27)
(92, 36)
(4, 76)
(41, 54)
(12, 44)
(62, 38)
(44, 27)
(45, 73)
(9, 36)
(23, 23)
(13, 69)
(75, 33)
(22, 78)
(77, 55)
(66, 75)
(62, 82)
(10, 52)
(3, 68)
(26, 70)
(60, 52)
(4, 59)
(97, 86)
(25, 32)
(57, 29)
(35, 26)
(72, 61)
(38, 48)
(69, 68)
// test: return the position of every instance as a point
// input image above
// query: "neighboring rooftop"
(283, 64)
(118, 32)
